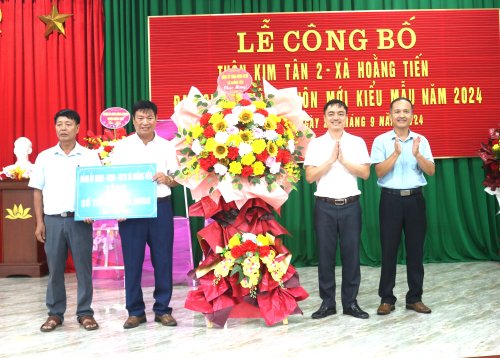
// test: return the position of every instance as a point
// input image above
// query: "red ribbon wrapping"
(227, 298)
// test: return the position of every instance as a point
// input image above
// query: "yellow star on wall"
(54, 21)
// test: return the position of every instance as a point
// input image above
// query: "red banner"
(445, 61)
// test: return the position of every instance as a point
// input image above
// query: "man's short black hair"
(144, 105)
(68, 113)
(401, 99)
(334, 102)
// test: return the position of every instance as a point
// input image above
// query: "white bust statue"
(22, 150)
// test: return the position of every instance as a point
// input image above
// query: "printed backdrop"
(446, 61)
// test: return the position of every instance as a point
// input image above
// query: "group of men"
(334, 161)
(53, 180)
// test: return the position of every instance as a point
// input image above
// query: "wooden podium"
(22, 254)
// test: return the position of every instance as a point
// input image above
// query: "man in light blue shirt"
(401, 157)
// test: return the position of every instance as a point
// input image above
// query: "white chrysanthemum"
(291, 146)
(232, 130)
(196, 147)
(220, 169)
(231, 119)
(221, 137)
(249, 236)
(259, 118)
(270, 135)
(257, 133)
(244, 148)
(275, 168)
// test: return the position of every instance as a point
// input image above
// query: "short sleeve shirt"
(132, 150)
(337, 182)
(406, 174)
(54, 173)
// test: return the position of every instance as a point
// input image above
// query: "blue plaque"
(116, 192)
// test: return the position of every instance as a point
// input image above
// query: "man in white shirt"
(54, 181)
(334, 161)
(146, 146)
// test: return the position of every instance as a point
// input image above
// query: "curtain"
(462, 224)
(39, 75)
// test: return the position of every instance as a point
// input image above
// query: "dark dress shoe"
(385, 308)
(418, 307)
(134, 321)
(355, 311)
(324, 311)
(166, 319)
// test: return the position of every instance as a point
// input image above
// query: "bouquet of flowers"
(243, 145)
(104, 143)
(243, 256)
(490, 154)
(15, 172)
(238, 155)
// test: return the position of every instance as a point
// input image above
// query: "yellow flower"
(220, 125)
(280, 142)
(196, 131)
(210, 144)
(234, 241)
(248, 159)
(258, 168)
(228, 256)
(496, 148)
(234, 139)
(263, 240)
(289, 134)
(270, 123)
(272, 149)
(226, 104)
(246, 136)
(246, 116)
(220, 151)
(235, 168)
(216, 117)
(258, 146)
(259, 104)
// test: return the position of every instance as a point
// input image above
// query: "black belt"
(402, 192)
(66, 214)
(163, 199)
(339, 202)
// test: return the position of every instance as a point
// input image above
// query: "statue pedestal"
(22, 254)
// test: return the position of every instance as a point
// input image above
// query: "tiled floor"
(465, 322)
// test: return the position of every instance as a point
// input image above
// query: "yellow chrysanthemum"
(246, 116)
(216, 117)
(220, 151)
(248, 159)
(258, 168)
(259, 104)
(280, 142)
(228, 256)
(226, 104)
(234, 241)
(289, 134)
(496, 147)
(210, 144)
(220, 125)
(235, 168)
(246, 136)
(263, 240)
(234, 140)
(196, 130)
(258, 146)
(292, 170)
(272, 149)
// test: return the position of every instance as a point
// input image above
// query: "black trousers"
(332, 223)
(398, 214)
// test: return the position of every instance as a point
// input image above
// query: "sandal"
(88, 322)
(51, 323)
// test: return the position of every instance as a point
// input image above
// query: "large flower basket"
(238, 155)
